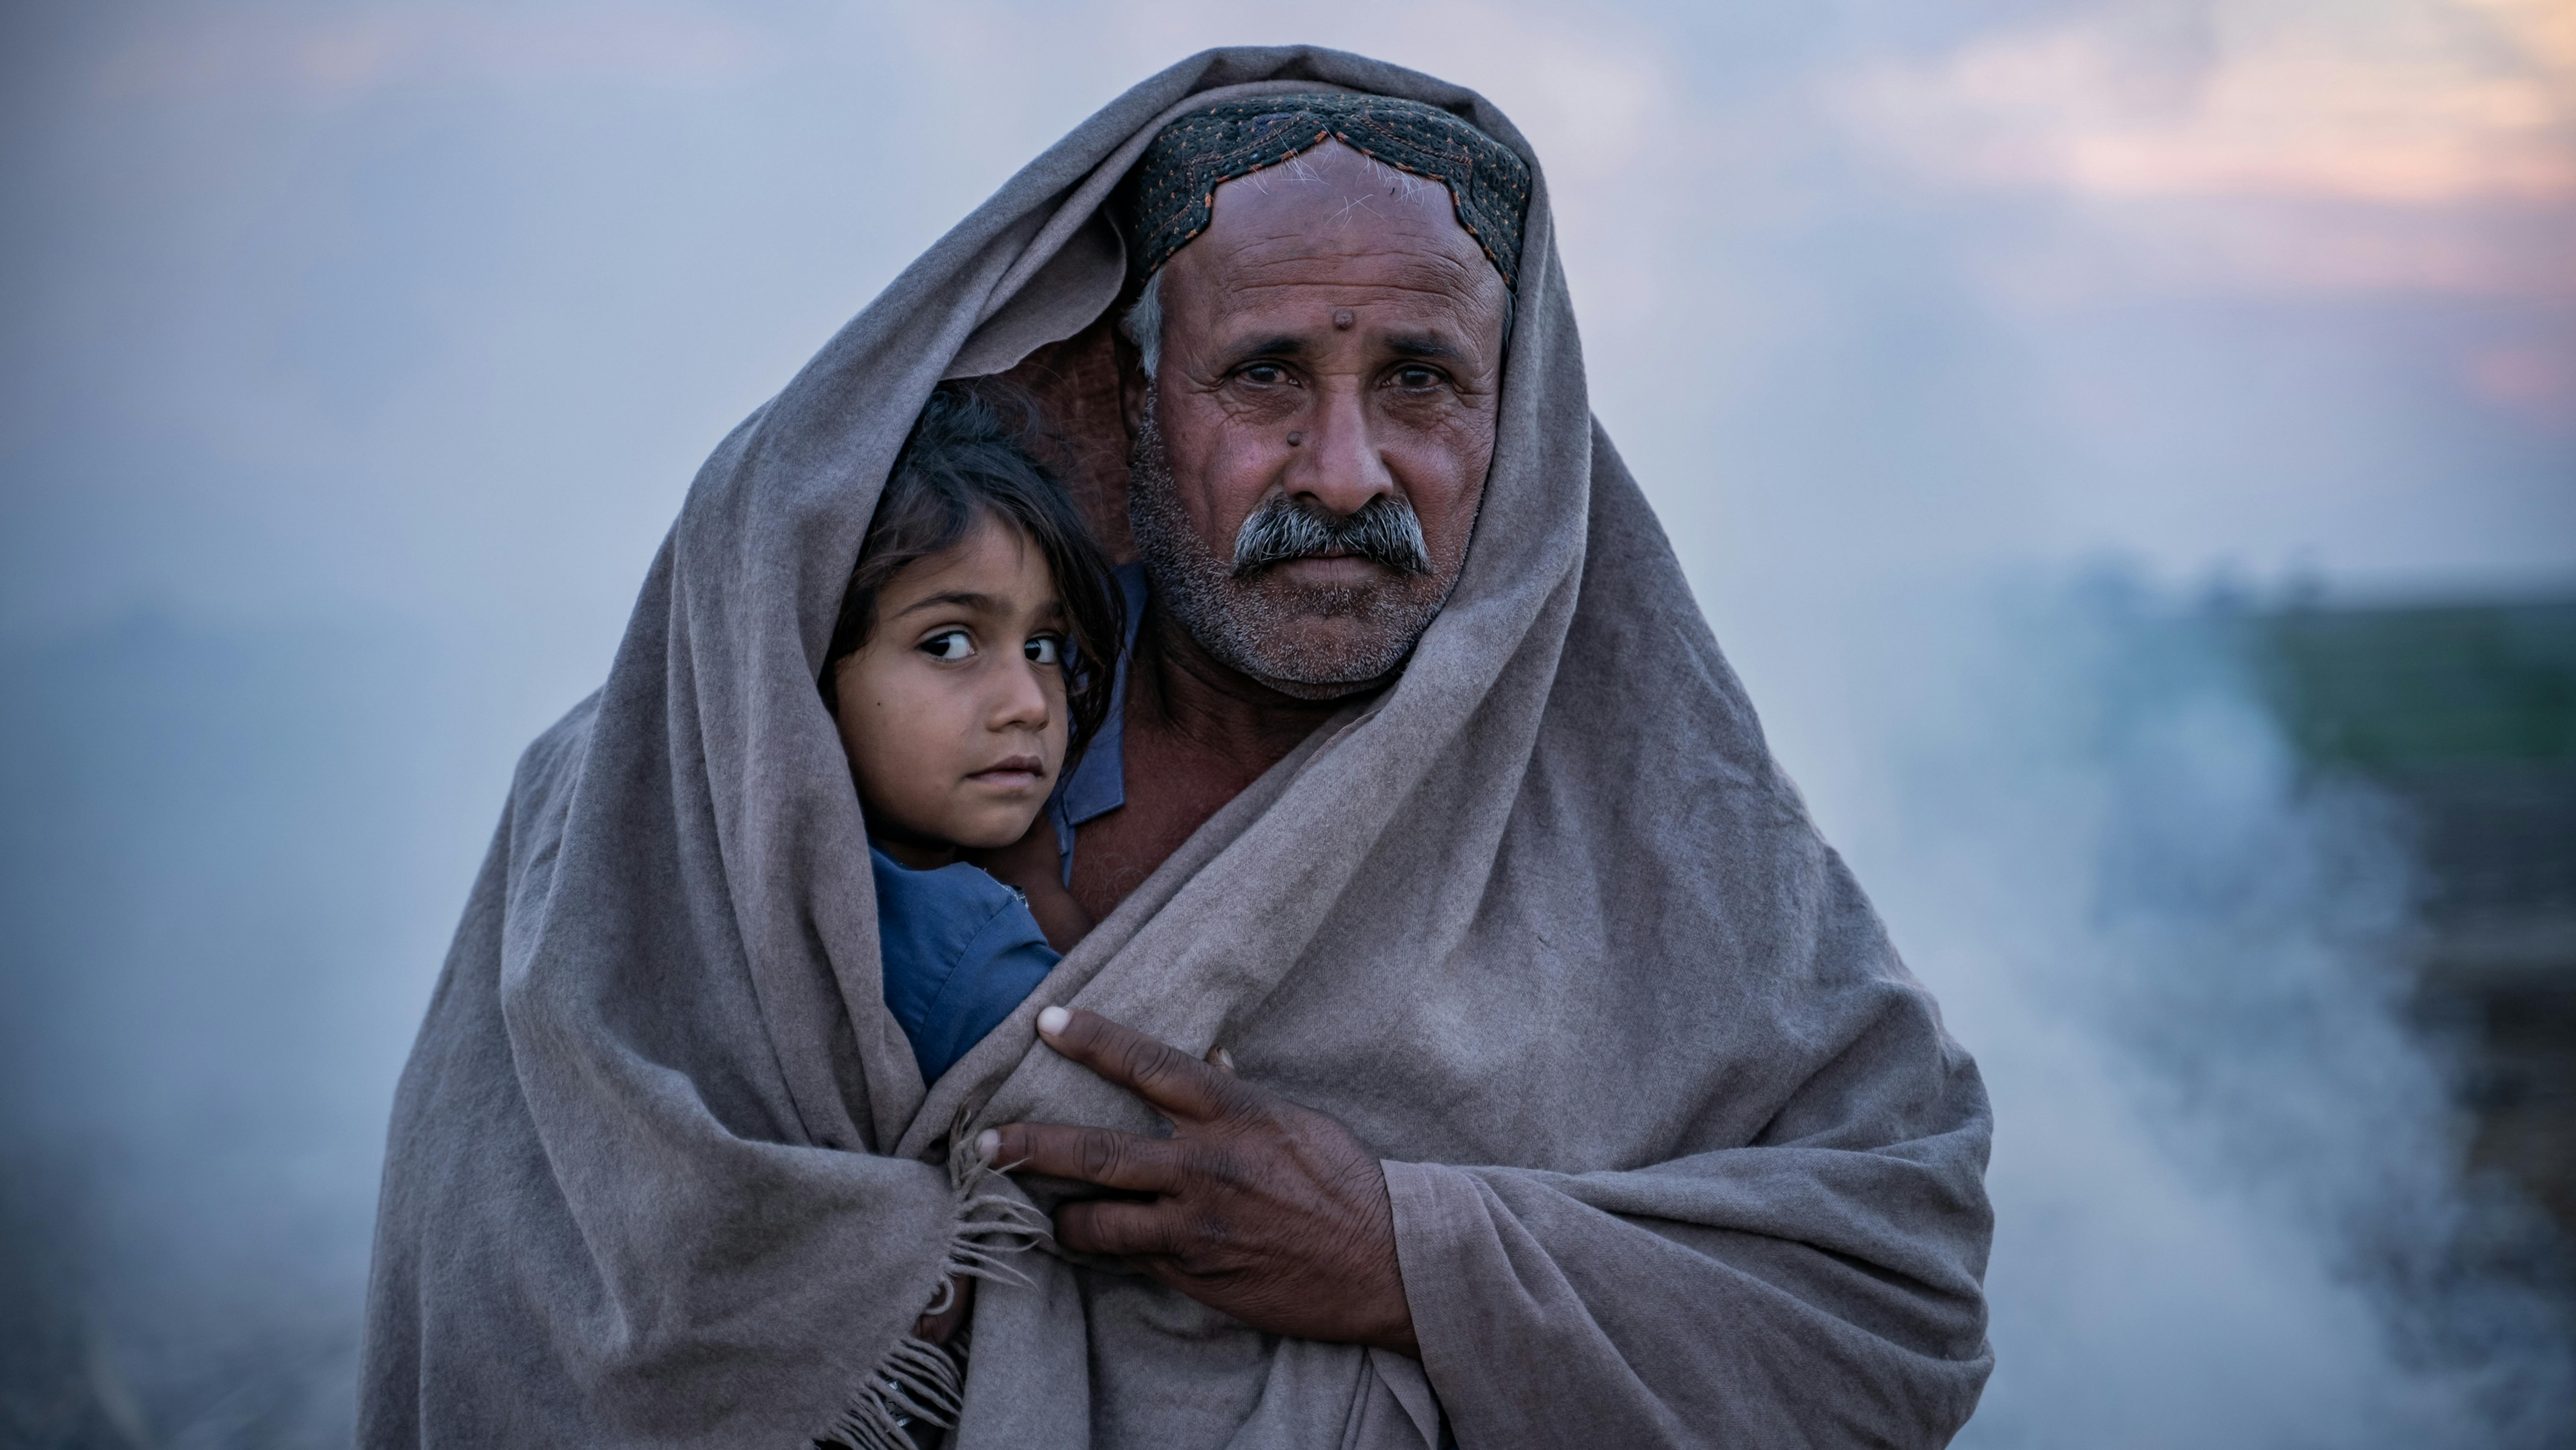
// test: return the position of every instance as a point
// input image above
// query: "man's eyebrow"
(1281, 345)
(1422, 345)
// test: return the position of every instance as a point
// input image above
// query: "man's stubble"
(1247, 623)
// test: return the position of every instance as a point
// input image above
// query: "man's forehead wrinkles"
(1396, 254)
(1292, 307)
(1401, 296)
(1394, 285)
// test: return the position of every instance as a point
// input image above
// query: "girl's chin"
(992, 833)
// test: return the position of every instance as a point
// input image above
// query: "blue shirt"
(961, 950)
(1097, 784)
(961, 953)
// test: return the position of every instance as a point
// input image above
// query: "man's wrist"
(1396, 1331)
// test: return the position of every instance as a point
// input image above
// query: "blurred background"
(2127, 446)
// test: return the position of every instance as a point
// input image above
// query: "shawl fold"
(1679, 1151)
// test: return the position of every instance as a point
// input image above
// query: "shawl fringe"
(921, 1383)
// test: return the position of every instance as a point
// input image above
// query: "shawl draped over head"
(1679, 1152)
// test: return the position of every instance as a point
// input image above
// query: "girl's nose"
(1021, 701)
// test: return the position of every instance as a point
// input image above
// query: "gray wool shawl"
(1679, 1152)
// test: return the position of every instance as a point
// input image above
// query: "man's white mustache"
(1384, 531)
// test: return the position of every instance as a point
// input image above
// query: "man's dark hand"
(1268, 1211)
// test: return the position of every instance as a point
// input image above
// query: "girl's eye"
(948, 644)
(1044, 651)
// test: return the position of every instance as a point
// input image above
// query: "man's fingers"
(1170, 1079)
(1091, 1155)
(1220, 1059)
(1118, 1228)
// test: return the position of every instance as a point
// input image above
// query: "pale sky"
(428, 312)
(433, 309)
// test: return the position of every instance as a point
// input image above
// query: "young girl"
(973, 657)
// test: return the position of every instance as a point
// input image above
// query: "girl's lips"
(1019, 771)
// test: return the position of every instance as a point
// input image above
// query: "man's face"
(1332, 350)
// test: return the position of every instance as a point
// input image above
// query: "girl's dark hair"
(965, 461)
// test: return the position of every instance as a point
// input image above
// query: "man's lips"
(1333, 569)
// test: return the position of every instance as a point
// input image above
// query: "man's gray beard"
(1243, 622)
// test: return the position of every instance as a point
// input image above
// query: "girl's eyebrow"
(968, 599)
(961, 598)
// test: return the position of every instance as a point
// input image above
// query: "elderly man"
(1463, 1035)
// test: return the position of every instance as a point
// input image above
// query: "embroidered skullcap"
(1173, 192)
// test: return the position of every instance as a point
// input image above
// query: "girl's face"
(953, 712)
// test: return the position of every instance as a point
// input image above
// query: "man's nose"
(1337, 463)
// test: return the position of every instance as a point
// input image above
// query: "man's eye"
(1416, 378)
(948, 644)
(1265, 374)
(1044, 651)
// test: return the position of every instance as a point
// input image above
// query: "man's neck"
(1216, 707)
(1197, 732)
